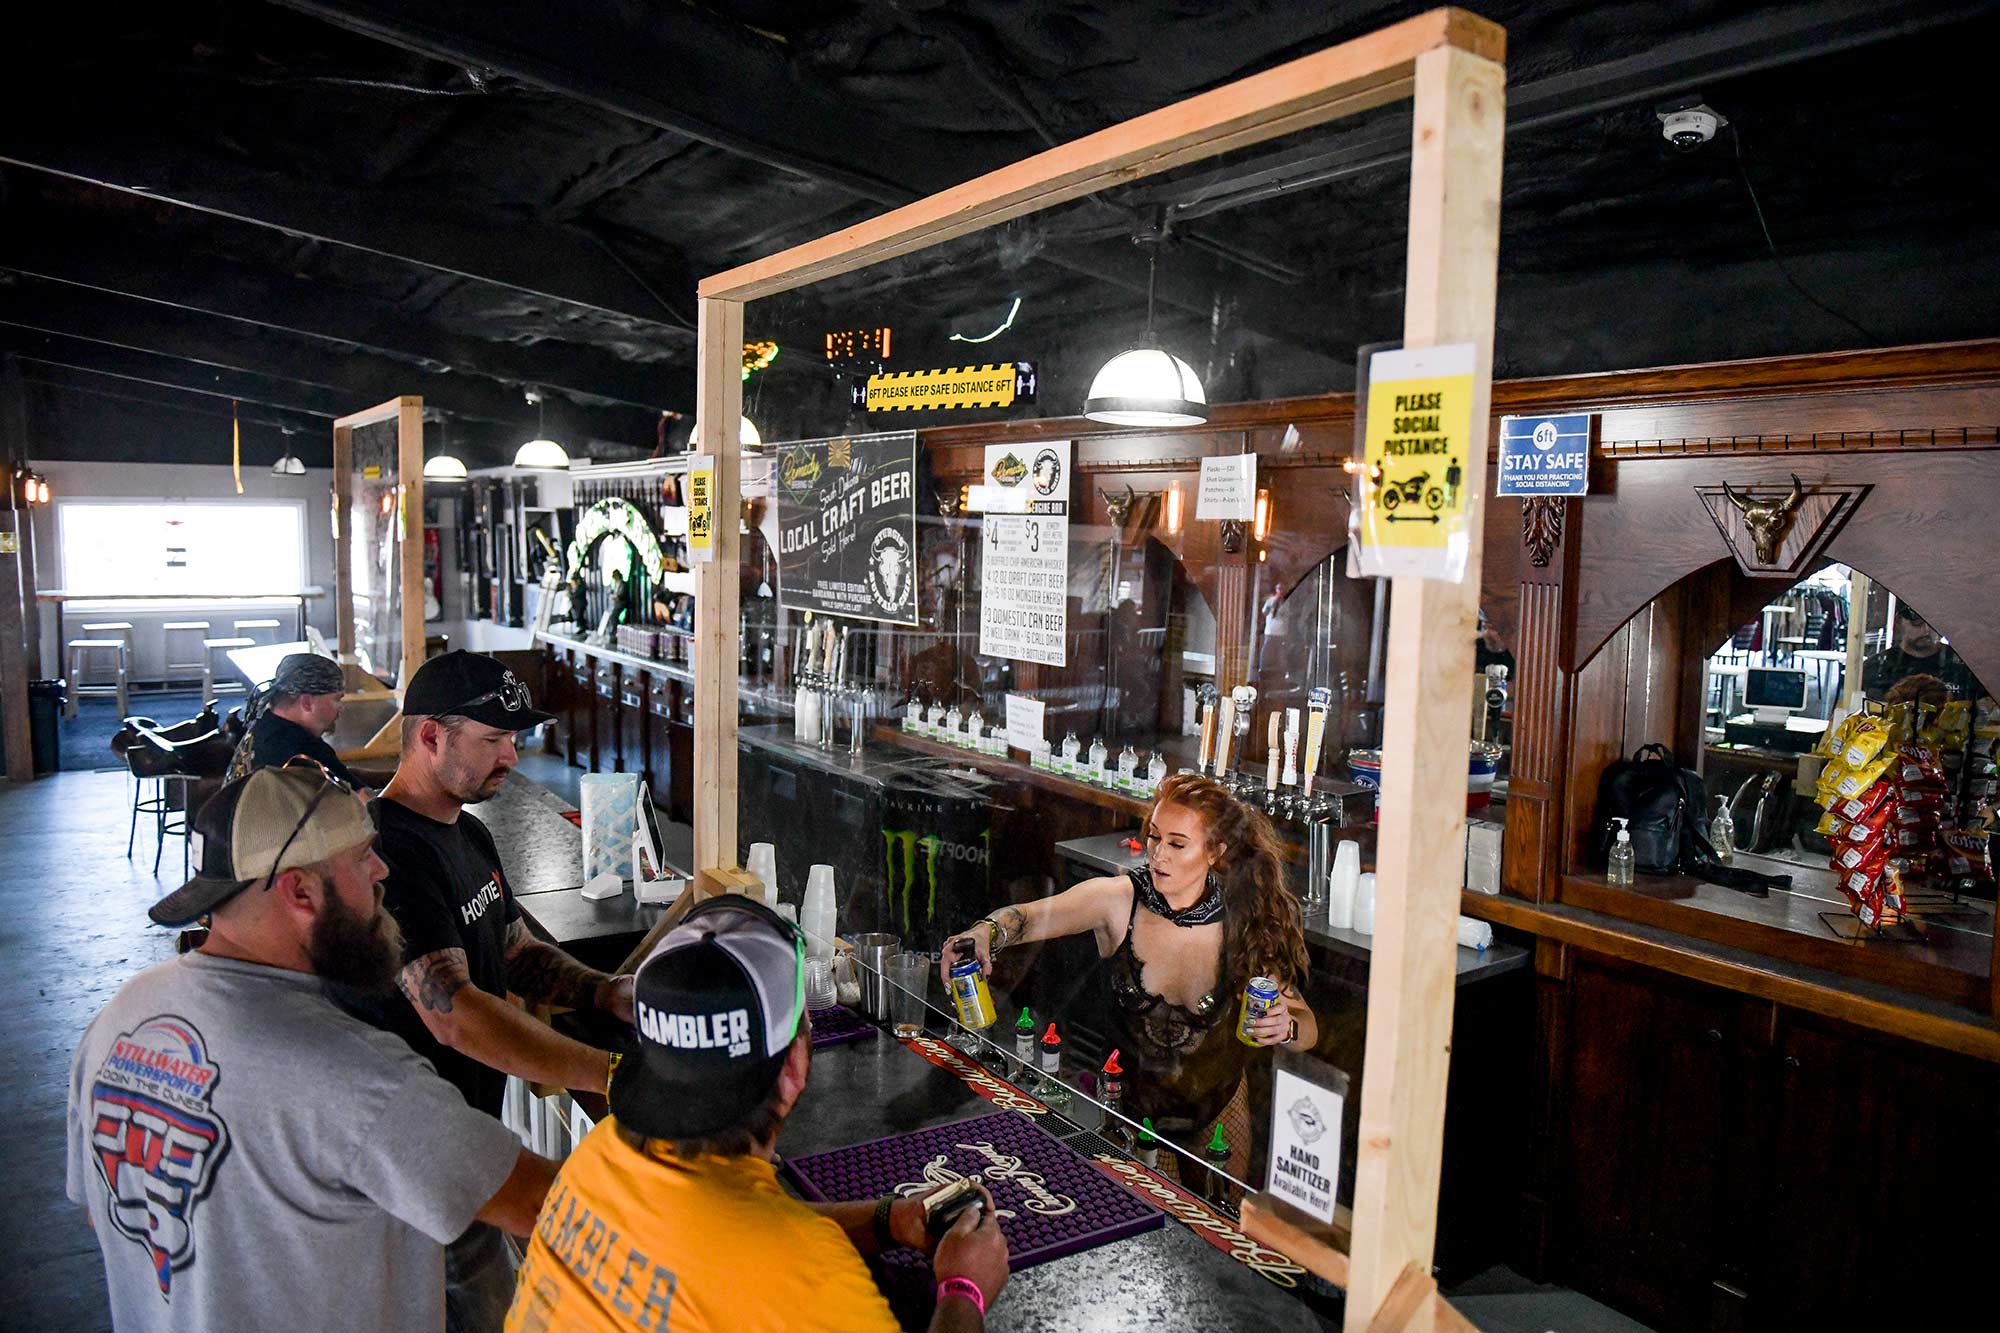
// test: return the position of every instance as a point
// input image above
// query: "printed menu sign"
(847, 520)
(1024, 570)
(1228, 488)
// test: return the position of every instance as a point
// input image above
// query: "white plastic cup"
(1364, 905)
(1341, 885)
(763, 863)
(817, 916)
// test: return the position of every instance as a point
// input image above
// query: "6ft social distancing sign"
(1545, 455)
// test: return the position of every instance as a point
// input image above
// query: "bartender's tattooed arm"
(430, 982)
(540, 971)
(1009, 924)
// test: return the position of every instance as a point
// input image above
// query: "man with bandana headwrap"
(288, 714)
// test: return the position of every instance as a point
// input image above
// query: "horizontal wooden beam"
(1354, 76)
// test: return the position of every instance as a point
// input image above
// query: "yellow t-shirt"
(626, 1241)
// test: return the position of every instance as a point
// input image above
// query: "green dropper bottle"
(1024, 1037)
(1149, 1145)
(1217, 1153)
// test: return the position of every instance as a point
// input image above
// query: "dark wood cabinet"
(604, 720)
(633, 723)
(1720, 1162)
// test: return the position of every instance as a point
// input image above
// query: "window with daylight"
(219, 549)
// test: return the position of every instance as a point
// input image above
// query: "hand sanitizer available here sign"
(1545, 455)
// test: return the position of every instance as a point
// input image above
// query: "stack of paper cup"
(1346, 878)
(763, 863)
(1364, 906)
(817, 916)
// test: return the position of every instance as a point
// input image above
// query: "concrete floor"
(73, 929)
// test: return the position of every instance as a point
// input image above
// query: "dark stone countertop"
(1108, 855)
(1169, 1278)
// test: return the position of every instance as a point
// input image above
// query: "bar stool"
(210, 686)
(88, 655)
(190, 660)
(257, 631)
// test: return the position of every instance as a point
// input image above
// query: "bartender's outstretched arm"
(1095, 905)
(486, 1028)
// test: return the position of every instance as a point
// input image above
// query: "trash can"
(45, 708)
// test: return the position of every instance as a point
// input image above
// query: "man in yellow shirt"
(669, 1214)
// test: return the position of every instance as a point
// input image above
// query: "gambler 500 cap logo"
(156, 1138)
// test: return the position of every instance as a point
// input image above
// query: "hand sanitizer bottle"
(1097, 756)
(1128, 763)
(1070, 750)
(1619, 870)
(1722, 831)
(913, 716)
(1156, 769)
(975, 728)
(954, 722)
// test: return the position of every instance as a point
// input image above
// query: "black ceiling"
(307, 206)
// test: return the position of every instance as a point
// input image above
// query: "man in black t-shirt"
(465, 945)
(288, 715)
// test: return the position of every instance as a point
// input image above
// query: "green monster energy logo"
(899, 857)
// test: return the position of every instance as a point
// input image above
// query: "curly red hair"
(1266, 932)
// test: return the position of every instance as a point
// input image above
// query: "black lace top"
(1185, 1062)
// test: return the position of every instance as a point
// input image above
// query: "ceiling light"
(541, 454)
(444, 466)
(288, 464)
(1148, 385)
(748, 436)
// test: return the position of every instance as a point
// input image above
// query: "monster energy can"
(1260, 997)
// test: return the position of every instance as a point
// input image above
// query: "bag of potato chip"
(1864, 741)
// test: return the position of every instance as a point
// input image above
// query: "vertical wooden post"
(343, 539)
(1453, 256)
(410, 480)
(17, 586)
(719, 409)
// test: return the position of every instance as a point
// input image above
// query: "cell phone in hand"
(942, 1208)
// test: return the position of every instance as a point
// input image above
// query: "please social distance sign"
(1545, 455)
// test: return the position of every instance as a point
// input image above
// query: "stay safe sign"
(1545, 455)
(1418, 460)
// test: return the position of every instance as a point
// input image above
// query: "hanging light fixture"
(442, 466)
(748, 436)
(541, 454)
(289, 463)
(1147, 385)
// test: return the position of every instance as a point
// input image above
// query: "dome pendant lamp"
(444, 465)
(541, 454)
(289, 464)
(1148, 385)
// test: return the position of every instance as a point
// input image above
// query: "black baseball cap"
(717, 1005)
(462, 684)
(267, 821)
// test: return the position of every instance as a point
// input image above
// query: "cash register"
(1774, 696)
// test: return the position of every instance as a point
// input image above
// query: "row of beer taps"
(1286, 789)
(832, 707)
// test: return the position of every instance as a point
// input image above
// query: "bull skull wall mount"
(1767, 520)
(1776, 532)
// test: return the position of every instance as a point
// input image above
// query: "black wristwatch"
(884, 1241)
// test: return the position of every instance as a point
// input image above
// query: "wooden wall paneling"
(343, 539)
(1547, 1131)
(410, 497)
(1597, 740)
(1454, 239)
(1531, 863)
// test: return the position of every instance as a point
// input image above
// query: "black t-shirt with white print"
(447, 890)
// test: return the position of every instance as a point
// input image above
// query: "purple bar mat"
(1060, 1203)
(838, 1025)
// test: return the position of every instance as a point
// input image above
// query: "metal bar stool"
(190, 660)
(84, 658)
(257, 631)
(210, 686)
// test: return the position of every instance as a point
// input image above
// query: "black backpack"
(1665, 804)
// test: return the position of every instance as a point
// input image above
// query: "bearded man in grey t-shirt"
(251, 1156)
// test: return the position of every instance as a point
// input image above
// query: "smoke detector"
(1688, 122)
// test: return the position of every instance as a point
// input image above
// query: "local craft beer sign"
(1418, 458)
(847, 518)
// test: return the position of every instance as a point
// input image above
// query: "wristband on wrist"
(1293, 1035)
(611, 1071)
(966, 1287)
(884, 1240)
(995, 937)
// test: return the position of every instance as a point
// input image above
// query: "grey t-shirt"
(252, 1157)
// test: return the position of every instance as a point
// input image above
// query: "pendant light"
(748, 436)
(443, 466)
(1147, 385)
(541, 454)
(288, 464)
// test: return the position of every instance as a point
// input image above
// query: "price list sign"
(1024, 569)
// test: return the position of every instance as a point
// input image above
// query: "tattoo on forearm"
(1010, 923)
(543, 972)
(430, 982)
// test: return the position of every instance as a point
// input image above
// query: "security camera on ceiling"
(1688, 122)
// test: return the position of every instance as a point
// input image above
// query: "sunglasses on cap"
(299, 763)
(512, 696)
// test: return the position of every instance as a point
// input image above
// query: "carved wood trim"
(1542, 527)
(1820, 516)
